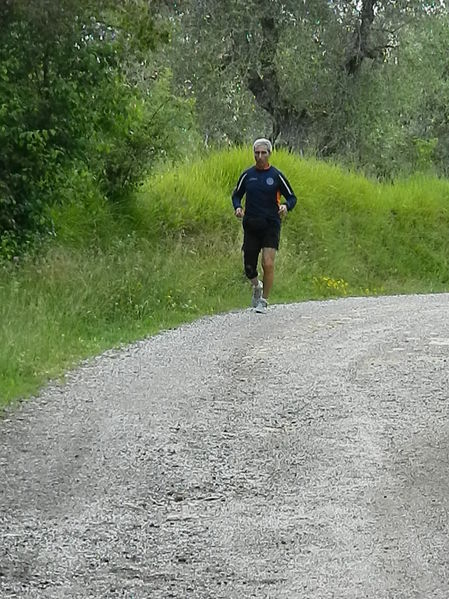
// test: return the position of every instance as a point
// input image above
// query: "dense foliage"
(96, 94)
(359, 81)
(80, 101)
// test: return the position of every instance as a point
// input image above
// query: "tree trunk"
(289, 126)
(360, 48)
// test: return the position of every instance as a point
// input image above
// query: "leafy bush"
(144, 129)
(70, 102)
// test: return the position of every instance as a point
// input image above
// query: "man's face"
(261, 156)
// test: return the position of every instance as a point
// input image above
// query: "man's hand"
(283, 209)
(239, 212)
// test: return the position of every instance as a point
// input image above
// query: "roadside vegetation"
(114, 273)
(115, 213)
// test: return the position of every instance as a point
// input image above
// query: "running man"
(263, 185)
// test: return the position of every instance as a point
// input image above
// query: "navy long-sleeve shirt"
(263, 189)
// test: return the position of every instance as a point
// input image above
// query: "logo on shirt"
(253, 179)
(270, 181)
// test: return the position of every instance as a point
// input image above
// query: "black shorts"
(260, 233)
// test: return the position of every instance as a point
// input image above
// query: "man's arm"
(286, 190)
(239, 191)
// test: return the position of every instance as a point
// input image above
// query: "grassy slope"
(176, 256)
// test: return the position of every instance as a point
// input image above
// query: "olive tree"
(321, 77)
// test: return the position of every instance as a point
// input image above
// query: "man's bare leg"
(268, 256)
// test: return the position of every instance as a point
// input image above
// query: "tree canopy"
(79, 92)
(104, 91)
(331, 78)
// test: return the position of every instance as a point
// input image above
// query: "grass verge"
(175, 256)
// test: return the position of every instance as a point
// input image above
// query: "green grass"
(174, 255)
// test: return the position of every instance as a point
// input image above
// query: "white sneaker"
(262, 306)
(257, 294)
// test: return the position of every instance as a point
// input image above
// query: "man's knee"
(268, 257)
(250, 271)
(267, 263)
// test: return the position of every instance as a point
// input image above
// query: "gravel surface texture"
(299, 454)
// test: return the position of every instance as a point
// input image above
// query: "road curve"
(299, 454)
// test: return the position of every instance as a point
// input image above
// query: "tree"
(313, 70)
(70, 95)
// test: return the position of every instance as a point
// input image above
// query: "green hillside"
(113, 275)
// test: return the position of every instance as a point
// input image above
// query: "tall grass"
(72, 304)
(175, 255)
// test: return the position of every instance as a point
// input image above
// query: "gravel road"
(299, 454)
